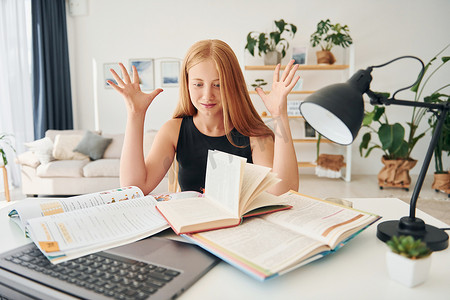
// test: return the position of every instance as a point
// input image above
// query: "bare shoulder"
(172, 126)
(170, 130)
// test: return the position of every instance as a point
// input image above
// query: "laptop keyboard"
(113, 276)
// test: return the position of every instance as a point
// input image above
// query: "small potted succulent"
(327, 36)
(273, 44)
(259, 83)
(408, 260)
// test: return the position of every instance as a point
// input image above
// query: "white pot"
(409, 272)
(272, 58)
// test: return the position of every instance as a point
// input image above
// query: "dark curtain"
(52, 100)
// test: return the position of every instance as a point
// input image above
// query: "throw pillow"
(42, 149)
(64, 145)
(93, 145)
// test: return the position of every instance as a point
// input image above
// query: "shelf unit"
(349, 69)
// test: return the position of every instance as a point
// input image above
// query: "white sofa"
(51, 167)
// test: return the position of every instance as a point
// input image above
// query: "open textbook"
(67, 228)
(273, 244)
(233, 189)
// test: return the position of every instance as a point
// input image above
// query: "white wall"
(116, 30)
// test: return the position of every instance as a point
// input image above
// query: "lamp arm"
(423, 171)
(419, 78)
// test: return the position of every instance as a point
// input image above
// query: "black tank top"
(192, 153)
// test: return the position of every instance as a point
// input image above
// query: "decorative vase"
(325, 57)
(395, 173)
(272, 58)
(441, 182)
(409, 272)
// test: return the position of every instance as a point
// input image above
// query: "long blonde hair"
(238, 109)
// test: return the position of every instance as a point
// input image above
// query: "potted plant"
(327, 36)
(441, 175)
(273, 44)
(259, 83)
(395, 147)
(408, 260)
(5, 142)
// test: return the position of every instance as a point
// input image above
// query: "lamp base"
(435, 238)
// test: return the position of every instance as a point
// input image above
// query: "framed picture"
(107, 75)
(309, 131)
(293, 108)
(170, 72)
(299, 54)
(146, 71)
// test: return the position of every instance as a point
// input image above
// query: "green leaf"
(445, 59)
(391, 137)
(364, 143)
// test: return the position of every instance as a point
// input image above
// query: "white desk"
(357, 271)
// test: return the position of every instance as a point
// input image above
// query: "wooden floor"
(361, 186)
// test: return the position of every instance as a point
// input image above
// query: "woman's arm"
(283, 159)
(133, 168)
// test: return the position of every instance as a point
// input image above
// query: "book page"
(320, 220)
(253, 176)
(40, 207)
(95, 225)
(223, 179)
(262, 245)
(187, 212)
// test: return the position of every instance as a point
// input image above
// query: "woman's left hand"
(276, 100)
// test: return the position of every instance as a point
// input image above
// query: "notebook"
(153, 268)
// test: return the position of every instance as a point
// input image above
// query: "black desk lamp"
(337, 112)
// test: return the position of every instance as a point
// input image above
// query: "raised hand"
(136, 100)
(276, 100)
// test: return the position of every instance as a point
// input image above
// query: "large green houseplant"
(328, 35)
(441, 176)
(393, 141)
(272, 44)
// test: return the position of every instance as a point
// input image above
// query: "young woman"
(214, 112)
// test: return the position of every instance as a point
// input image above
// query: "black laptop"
(153, 268)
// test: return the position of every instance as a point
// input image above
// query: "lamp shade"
(337, 111)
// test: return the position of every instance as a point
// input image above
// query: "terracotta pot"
(325, 57)
(272, 58)
(395, 172)
(441, 182)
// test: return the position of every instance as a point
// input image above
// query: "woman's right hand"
(135, 100)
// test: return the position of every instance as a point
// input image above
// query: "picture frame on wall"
(107, 75)
(146, 70)
(299, 54)
(293, 108)
(309, 131)
(170, 72)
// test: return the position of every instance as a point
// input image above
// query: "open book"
(233, 189)
(271, 245)
(67, 228)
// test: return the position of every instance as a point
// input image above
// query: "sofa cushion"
(93, 145)
(62, 168)
(42, 149)
(28, 158)
(64, 145)
(106, 167)
(115, 148)
(52, 133)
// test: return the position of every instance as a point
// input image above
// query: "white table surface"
(356, 271)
